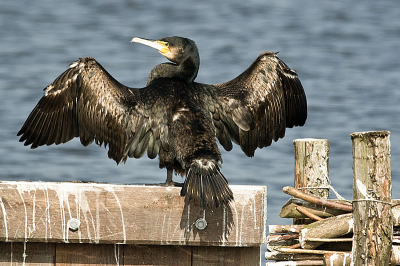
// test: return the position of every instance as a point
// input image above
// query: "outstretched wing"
(87, 102)
(257, 106)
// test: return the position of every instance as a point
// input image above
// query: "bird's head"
(176, 49)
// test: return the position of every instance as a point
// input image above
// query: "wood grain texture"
(289, 209)
(312, 166)
(135, 255)
(128, 214)
(32, 254)
(372, 190)
(215, 256)
(86, 254)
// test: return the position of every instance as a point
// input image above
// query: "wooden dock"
(44, 223)
(89, 223)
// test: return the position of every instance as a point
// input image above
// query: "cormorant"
(172, 117)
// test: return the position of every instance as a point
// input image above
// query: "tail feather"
(207, 186)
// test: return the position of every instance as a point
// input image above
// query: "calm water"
(346, 55)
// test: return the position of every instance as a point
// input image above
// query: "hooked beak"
(161, 46)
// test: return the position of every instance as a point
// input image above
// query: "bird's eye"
(166, 44)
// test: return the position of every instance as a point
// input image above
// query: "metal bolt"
(73, 224)
(201, 223)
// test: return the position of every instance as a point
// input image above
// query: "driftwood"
(281, 229)
(396, 215)
(277, 241)
(373, 216)
(308, 251)
(289, 209)
(338, 259)
(308, 213)
(297, 263)
(323, 202)
(331, 258)
(277, 238)
(342, 225)
(395, 258)
(275, 255)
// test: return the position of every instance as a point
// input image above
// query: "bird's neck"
(186, 71)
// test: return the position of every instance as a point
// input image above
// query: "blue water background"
(346, 53)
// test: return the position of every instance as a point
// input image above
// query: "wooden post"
(373, 226)
(312, 167)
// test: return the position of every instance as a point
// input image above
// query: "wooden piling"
(311, 168)
(373, 226)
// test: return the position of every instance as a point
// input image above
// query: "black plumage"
(172, 117)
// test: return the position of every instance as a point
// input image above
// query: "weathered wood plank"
(157, 255)
(233, 256)
(31, 254)
(87, 254)
(130, 214)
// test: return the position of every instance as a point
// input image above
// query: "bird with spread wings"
(173, 117)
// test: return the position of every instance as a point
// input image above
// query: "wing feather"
(257, 106)
(87, 102)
